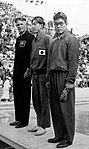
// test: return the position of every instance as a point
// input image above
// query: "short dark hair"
(39, 19)
(20, 18)
(60, 15)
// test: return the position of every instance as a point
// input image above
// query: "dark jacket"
(40, 48)
(22, 53)
(64, 54)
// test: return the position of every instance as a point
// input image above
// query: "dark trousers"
(22, 95)
(40, 100)
(63, 113)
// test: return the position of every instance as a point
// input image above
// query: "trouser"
(40, 100)
(63, 113)
(22, 95)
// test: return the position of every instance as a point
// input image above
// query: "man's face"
(36, 26)
(60, 25)
(21, 26)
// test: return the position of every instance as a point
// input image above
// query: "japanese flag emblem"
(42, 52)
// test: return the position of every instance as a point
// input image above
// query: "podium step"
(22, 139)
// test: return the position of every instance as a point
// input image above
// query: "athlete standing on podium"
(22, 86)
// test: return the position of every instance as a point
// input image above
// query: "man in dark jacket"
(21, 87)
(39, 55)
(63, 64)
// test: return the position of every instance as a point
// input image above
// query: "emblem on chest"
(22, 43)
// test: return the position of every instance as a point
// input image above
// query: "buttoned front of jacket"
(64, 54)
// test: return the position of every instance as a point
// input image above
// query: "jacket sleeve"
(29, 46)
(73, 58)
(48, 44)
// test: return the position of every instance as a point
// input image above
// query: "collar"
(40, 34)
(62, 35)
(22, 33)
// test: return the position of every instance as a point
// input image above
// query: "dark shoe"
(3, 99)
(54, 140)
(20, 125)
(9, 100)
(14, 123)
(63, 143)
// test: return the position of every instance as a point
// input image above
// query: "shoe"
(40, 131)
(63, 143)
(34, 129)
(9, 100)
(3, 99)
(54, 140)
(13, 123)
(20, 125)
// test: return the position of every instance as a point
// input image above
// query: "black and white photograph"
(44, 74)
